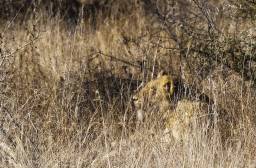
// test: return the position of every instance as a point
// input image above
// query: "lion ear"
(161, 73)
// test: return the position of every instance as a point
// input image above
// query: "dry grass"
(65, 98)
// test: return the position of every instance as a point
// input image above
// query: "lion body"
(186, 117)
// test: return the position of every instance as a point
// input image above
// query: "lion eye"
(167, 87)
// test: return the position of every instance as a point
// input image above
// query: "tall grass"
(66, 89)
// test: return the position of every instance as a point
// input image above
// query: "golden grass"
(65, 97)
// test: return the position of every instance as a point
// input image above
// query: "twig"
(120, 60)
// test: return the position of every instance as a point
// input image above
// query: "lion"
(180, 116)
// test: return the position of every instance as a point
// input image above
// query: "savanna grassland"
(68, 70)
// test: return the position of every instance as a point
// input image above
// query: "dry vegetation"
(68, 71)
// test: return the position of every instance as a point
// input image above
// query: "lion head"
(154, 96)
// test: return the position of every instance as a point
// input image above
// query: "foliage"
(68, 70)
